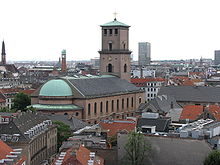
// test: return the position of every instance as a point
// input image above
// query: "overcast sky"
(176, 29)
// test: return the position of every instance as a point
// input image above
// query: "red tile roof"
(28, 91)
(5, 150)
(83, 155)
(215, 111)
(117, 125)
(143, 80)
(191, 112)
(2, 100)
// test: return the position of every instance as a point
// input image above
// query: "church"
(7, 70)
(93, 98)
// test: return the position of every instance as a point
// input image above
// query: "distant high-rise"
(217, 57)
(3, 53)
(144, 53)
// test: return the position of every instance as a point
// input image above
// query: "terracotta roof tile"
(215, 111)
(144, 80)
(83, 155)
(191, 112)
(4, 150)
(119, 125)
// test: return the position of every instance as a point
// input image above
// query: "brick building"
(31, 132)
(93, 98)
(89, 98)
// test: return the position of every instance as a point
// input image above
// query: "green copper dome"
(115, 23)
(56, 88)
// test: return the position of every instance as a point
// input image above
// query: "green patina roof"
(56, 88)
(56, 107)
(115, 23)
(64, 51)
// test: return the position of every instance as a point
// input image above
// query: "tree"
(21, 101)
(213, 158)
(5, 109)
(63, 132)
(137, 149)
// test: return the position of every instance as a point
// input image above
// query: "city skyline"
(40, 30)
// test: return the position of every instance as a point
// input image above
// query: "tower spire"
(115, 16)
(3, 53)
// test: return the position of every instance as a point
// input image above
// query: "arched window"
(89, 109)
(127, 102)
(110, 46)
(65, 113)
(125, 68)
(106, 106)
(109, 68)
(112, 105)
(122, 104)
(101, 107)
(139, 100)
(117, 104)
(95, 108)
(132, 102)
(77, 113)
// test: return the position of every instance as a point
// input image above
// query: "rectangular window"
(117, 105)
(105, 32)
(110, 31)
(116, 31)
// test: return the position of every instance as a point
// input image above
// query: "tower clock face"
(110, 58)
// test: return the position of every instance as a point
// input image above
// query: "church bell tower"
(115, 55)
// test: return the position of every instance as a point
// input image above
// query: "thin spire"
(115, 16)
(3, 48)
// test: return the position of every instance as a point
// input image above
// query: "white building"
(152, 88)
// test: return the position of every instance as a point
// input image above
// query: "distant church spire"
(3, 53)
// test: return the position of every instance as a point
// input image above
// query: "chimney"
(63, 64)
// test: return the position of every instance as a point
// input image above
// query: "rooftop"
(192, 93)
(115, 23)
